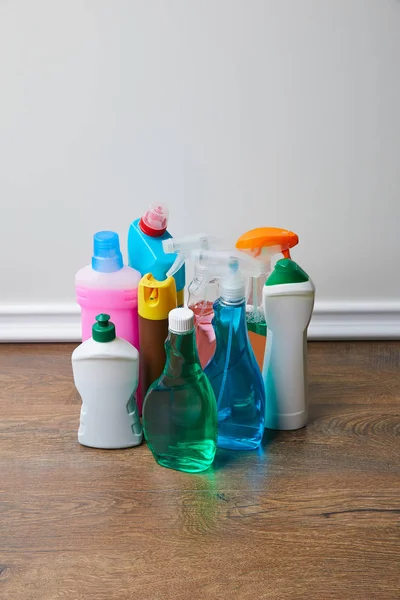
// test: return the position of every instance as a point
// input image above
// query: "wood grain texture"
(314, 514)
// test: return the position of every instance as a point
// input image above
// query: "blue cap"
(107, 256)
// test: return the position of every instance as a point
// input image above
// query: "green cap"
(103, 330)
(287, 271)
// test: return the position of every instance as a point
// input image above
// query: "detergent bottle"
(288, 298)
(233, 371)
(179, 411)
(201, 306)
(156, 300)
(262, 243)
(145, 250)
(108, 286)
(106, 372)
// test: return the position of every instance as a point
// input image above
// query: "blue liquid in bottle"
(236, 380)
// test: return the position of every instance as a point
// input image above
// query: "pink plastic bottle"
(107, 286)
(205, 334)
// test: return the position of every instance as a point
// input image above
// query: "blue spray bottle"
(233, 371)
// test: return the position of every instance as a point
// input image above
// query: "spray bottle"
(233, 371)
(201, 305)
(262, 243)
(288, 298)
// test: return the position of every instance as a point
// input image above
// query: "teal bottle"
(180, 411)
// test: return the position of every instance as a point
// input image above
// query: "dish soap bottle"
(179, 410)
(262, 243)
(288, 298)
(145, 251)
(106, 372)
(233, 371)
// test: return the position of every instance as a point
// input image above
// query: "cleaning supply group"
(212, 373)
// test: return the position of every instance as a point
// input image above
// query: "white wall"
(237, 113)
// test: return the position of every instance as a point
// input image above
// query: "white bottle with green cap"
(288, 300)
(106, 373)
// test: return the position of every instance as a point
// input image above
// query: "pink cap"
(154, 221)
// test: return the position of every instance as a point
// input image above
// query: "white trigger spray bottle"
(288, 300)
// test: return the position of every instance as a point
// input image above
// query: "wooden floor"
(314, 514)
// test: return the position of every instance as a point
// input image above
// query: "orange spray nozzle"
(267, 237)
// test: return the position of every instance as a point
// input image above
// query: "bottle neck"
(201, 290)
(182, 358)
(202, 297)
(230, 328)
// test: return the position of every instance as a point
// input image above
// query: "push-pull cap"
(103, 330)
(181, 320)
(156, 298)
(155, 220)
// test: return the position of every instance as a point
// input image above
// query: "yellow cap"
(156, 298)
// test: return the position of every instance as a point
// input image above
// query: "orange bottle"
(263, 243)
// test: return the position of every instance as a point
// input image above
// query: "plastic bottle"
(233, 371)
(106, 371)
(262, 243)
(288, 298)
(156, 299)
(201, 306)
(145, 251)
(108, 286)
(179, 411)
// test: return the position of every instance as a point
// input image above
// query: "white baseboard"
(331, 321)
(355, 321)
(40, 323)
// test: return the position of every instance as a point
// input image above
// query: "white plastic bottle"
(106, 374)
(288, 300)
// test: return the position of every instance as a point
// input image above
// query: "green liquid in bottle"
(180, 410)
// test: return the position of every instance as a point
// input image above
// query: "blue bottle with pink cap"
(145, 248)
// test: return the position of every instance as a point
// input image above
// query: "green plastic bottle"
(180, 410)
